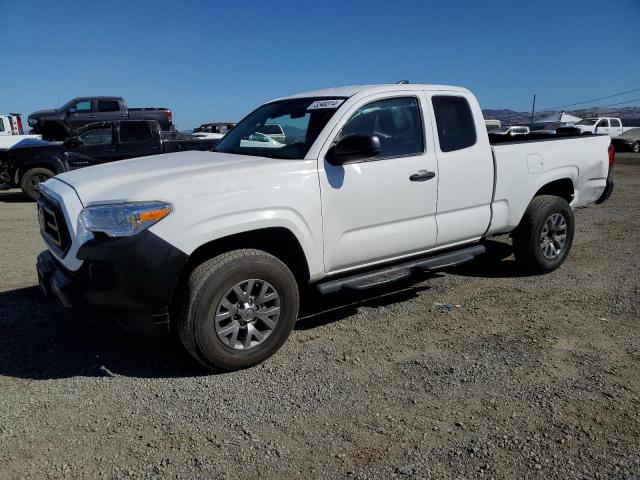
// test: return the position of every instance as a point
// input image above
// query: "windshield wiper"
(250, 153)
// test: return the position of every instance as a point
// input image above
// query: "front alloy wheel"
(237, 309)
(247, 314)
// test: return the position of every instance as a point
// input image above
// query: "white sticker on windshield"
(318, 104)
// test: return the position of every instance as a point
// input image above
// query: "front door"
(80, 114)
(384, 207)
(97, 146)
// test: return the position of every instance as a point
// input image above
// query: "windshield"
(587, 121)
(283, 129)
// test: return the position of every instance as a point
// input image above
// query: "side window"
(1, 124)
(615, 122)
(135, 132)
(108, 106)
(454, 119)
(97, 136)
(395, 121)
(82, 107)
(603, 123)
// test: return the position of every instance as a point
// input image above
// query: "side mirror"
(73, 142)
(351, 148)
(71, 111)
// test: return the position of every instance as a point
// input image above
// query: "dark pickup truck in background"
(65, 121)
(96, 143)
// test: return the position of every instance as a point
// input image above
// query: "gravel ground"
(476, 373)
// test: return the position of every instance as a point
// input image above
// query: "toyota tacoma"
(380, 181)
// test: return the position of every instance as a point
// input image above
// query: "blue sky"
(214, 61)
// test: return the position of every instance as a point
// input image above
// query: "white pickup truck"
(381, 181)
(611, 126)
(11, 132)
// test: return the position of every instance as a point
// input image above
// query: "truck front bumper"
(133, 279)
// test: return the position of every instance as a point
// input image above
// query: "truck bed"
(530, 137)
(525, 163)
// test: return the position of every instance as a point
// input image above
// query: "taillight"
(168, 114)
(20, 131)
(612, 157)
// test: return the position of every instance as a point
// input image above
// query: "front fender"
(189, 237)
(53, 162)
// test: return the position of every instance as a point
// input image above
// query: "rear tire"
(237, 310)
(544, 236)
(636, 147)
(32, 178)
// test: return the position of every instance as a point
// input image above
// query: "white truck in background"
(380, 182)
(11, 132)
(611, 126)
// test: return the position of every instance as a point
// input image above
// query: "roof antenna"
(403, 82)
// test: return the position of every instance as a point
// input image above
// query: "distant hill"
(511, 117)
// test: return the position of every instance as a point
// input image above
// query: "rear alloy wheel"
(636, 147)
(553, 236)
(544, 236)
(238, 309)
(31, 180)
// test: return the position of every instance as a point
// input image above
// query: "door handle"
(422, 176)
(92, 116)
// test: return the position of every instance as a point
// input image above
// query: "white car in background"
(213, 131)
(510, 131)
(274, 130)
(601, 125)
(260, 140)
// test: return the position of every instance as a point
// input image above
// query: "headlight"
(33, 121)
(123, 219)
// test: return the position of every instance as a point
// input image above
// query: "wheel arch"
(562, 187)
(278, 241)
(41, 161)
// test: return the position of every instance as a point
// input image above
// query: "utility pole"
(533, 109)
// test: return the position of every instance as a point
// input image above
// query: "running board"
(393, 273)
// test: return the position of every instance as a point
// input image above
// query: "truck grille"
(52, 225)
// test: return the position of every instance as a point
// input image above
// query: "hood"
(34, 141)
(175, 177)
(43, 113)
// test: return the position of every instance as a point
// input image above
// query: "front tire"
(544, 236)
(238, 309)
(32, 178)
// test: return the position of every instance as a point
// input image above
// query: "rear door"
(372, 211)
(615, 128)
(137, 139)
(465, 167)
(110, 110)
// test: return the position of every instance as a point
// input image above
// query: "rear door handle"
(422, 176)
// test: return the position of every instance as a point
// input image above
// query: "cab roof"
(352, 90)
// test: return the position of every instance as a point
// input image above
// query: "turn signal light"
(153, 215)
